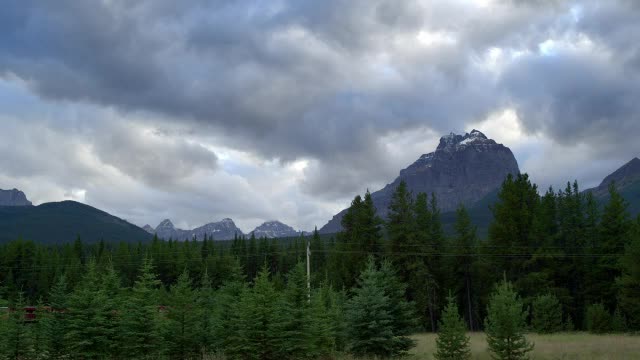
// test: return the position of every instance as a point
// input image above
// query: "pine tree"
(505, 324)
(511, 229)
(463, 267)
(181, 320)
(615, 233)
(452, 342)
(401, 230)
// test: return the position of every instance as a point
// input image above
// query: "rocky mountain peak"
(462, 170)
(165, 225)
(274, 229)
(13, 197)
(149, 229)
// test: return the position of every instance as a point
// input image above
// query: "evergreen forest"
(552, 261)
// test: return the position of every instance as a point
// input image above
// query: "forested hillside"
(61, 222)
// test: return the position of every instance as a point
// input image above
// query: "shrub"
(598, 319)
(547, 314)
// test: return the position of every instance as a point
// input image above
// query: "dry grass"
(563, 346)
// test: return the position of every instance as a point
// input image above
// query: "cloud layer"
(199, 110)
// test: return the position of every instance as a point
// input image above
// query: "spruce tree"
(257, 318)
(207, 322)
(505, 324)
(615, 233)
(463, 266)
(452, 342)
(292, 327)
(56, 322)
(182, 320)
(511, 229)
(88, 325)
(16, 334)
(140, 330)
(377, 315)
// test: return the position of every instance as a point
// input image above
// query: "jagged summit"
(462, 170)
(165, 224)
(224, 229)
(13, 197)
(274, 229)
(149, 229)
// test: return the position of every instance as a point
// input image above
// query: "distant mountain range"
(225, 229)
(463, 169)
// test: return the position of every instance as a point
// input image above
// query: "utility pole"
(308, 269)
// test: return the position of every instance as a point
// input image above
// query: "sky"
(258, 110)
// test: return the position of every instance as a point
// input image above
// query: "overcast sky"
(285, 109)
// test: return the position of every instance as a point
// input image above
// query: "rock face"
(627, 175)
(149, 229)
(274, 229)
(462, 170)
(225, 229)
(13, 197)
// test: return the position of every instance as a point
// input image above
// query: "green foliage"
(505, 324)
(618, 322)
(547, 314)
(257, 318)
(629, 281)
(452, 342)
(377, 315)
(511, 230)
(89, 329)
(16, 337)
(139, 328)
(182, 316)
(598, 319)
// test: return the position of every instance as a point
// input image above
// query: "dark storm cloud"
(326, 79)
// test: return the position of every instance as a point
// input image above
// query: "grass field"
(563, 346)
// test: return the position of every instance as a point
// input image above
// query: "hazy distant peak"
(274, 229)
(165, 224)
(149, 229)
(13, 197)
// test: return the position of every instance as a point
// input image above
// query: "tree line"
(573, 263)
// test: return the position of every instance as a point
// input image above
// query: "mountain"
(61, 222)
(13, 197)
(149, 229)
(225, 229)
(627, 182)
(463, 169)
(274, 229)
